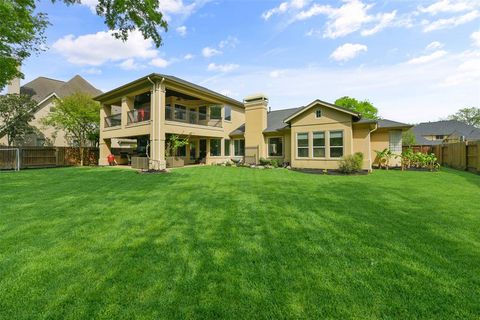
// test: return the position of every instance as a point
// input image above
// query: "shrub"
(275, 163)
(351, 163)
(264, 162)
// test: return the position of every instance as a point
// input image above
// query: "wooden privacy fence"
(45, 157)
(459, 155)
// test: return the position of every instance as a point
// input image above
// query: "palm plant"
(384, 157)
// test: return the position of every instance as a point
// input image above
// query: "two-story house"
(220, 128)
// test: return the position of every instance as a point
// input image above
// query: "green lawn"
(218, 242)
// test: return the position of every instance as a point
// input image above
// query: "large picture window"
(215, 147)
(319, 144)
(180, 112)
(226, 147)
(275, 147)
(228, 113)
(239, 147)
(336, 144)
(193, 149)
(302, 145)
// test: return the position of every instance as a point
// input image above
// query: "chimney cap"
(256, 97)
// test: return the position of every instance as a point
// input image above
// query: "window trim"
(283, 146)
(337, 147)
(324, 147)
(307, 147)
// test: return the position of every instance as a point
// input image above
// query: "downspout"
(370, 146)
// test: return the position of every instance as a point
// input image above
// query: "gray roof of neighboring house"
(445, 128)
(42, 87)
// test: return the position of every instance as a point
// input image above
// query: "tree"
(408, 138)
(365, 108)
(79, 116)
(22, 30)
(16, 111)
(470, 116)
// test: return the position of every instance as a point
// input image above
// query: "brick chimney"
(256, 109)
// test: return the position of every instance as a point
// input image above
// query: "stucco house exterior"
(315, 136)
(46, 91)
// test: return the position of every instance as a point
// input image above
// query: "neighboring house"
(220, 128)
(46, 92)
(434, 133)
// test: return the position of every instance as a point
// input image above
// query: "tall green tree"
(408, 138)
(16, 111)
(365, 108)
(22, 30)
(79, 116)
(470, 116)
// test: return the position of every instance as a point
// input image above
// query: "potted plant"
(173, 144)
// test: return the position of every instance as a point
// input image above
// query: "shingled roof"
(444, 128)
(42, 87)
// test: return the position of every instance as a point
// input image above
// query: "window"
(336, 144)
(439, 137)
(215, 112)
(193, 150)
(302, 145)
(228, 113)
(168, 112)
(239, 147)
(395, 141)
(215, 147)
(192, 115)
(227, 147)
(180, 112)
(319, 144)
(182, 151)
(202, 113)
(275, 147)
(318, 113)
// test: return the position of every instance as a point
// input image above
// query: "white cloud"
(435, 45)
(130, 64)
(467, 71)
(160, 63)
(180, 8)
(91, 4)
(348, 18)
(385, 20)
(475, 38)
(98, 48)
(348, 51)
(450, 22)
(230, 42)
(188, 56)
(428, 58)
(448, 6)
(182, 31)
(95, 71)
(222, 67)
(277, 73)
(284, 7)
(208, 52)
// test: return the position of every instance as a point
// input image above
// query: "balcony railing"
(138, 115)
(192, 117)
(113, 121)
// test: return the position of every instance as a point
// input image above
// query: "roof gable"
(324, 104)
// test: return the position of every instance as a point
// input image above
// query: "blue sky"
(415, 60)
